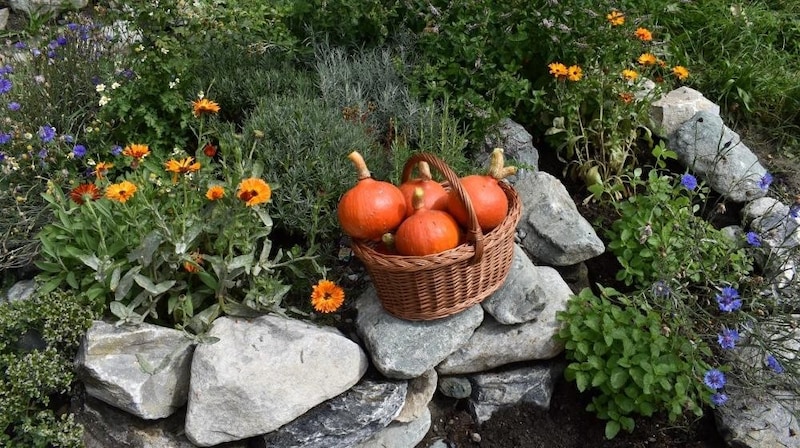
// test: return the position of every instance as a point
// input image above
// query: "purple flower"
(5, 137)
(661, 289)
(68, 138)
(719, 399)
(53, 44)
(52, 54)
(5, 85)
(14, 106)
(2, 156)
(773, 364)
(714, 379)
(765, 181)
(19, 45)
(72, 26)
(728, 339)
(96, 80)
(753, 239)
(42, 153)
(36, 52)
(79, 151)
(689, 181)
(728, 300)
(47, 133)
(61, 40)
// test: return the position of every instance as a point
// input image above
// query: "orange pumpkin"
(434, 193)
(488, 200)
(372, 207)
(427, 231)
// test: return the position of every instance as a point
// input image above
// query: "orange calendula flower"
(647, 59)
(574, 73)
(210, 150)
(194, 265)
(83, 193)
(183, 166)
(626, 97)
(327, 296)
(615, 18)
(101, 169)
(137, 151)
(643, 34)
(254, 191)
(215, 192)
(680, 72)
(558, 70)
(630, 75)
(204, 106)
(121, 192)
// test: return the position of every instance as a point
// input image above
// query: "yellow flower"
(615, 18)
(181, 167)
(101, 169)
(137, 151)
(254, 191)
(121, 192)
(643, 34)
(327, 296)
(558, 70)
(630, 75)
(574, 73)
(647, 59)
(204, 106)
(215, 192)
(680, 72)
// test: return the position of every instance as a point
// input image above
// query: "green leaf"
(612, 429)
(144, 253)
(618, 378)
(72, 281)
(119, 310)
(48, 267)
(208, 279)
(599, 379)
(646, 408)
(581, 380)
(152, 288)
(126, 283)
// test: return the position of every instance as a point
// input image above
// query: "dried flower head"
(193, 265)
(327, 296)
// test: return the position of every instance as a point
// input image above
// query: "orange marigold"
(83, 193)
(101, 169)
(680, 72)
(643, 34)
(137, 151)
(204, 106)
(327, 296)
(215, 192)
(193, 265)
(647, 59)
(574, 73)
(183, 166)
(626, 97)
(558, 70)
(121, 192)
(630, 75)
(254, 191)
(615, 18)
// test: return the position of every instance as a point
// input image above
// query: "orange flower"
(630, 75)
(137, 151)
(647, 59)
(626, 97)
(215, 192)
(680, 72)
(204, 106)
(194, 265)
(83, 193)
(121, 192)
(181, 167)
(327, 296)
(615, 18)
(254, 191)
(643, 34)
(101, 169)
(574, 73)
(210, 150)
(558, 70)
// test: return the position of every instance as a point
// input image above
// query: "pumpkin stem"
(418, 200)
(424, 170)
(497, 168)
(361, 166)
(388, 240)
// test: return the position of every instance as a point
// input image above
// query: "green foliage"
(32, 380)
(345, 22)
(659, 235)
(638, 360)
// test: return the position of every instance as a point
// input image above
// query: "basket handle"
(474, 232)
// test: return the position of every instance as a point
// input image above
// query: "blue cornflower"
(661, 289)
(753, 239)
(79, 151)
(116, 150)
(72, 26)
(773, 364)
(47, 133)
(13, 106)
(19, 45)
(2, 156)
(68, 138)
(36, 52)
(9, 68)
(5, 137)
(719, 399)
(714, 379)
(689, 181)
(96, 80)
(728, 338)
(729, 300)
(5, 85)
(61, 40)
(52, 54)
(53, 44)
(42, 153)
(765, 181)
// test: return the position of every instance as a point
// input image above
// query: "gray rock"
(143, 370)
(3, 18)
(555, 232)
(400, 435)
(455, 387)
(263, 373)
(576, 276)
(495, 391)
(677, 107)
(21, 290)
(715, 153)
(780, 236)
(31, 7)
(420, 393)
(345, 420)
(404, 349)
(759, 421)
(517, 144)
(526, 291)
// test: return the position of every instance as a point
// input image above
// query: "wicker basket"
(439, 285)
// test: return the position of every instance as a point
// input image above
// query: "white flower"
(115, 85)
(100, 88)
(165, 50)
(103, 101)
(174, 83)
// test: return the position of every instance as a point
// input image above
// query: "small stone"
(475, 437)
